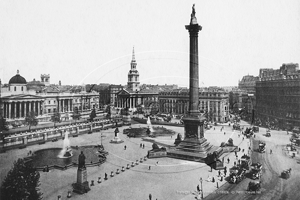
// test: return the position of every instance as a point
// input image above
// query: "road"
(273, 186)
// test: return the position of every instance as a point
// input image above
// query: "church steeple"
(133, 56)
(133, 75)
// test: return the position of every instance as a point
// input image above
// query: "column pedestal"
(82, 185)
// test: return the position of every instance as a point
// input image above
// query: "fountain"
(150, 126)
(66, 152)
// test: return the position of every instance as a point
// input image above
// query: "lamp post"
(201, 187)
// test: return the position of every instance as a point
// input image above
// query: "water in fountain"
(150, 125)
(66, 152)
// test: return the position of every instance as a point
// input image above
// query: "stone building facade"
(278, 96)
(214, 101)
(18, 98)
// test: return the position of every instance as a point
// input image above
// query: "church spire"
(133, 56)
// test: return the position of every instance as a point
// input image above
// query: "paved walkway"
(168, 178)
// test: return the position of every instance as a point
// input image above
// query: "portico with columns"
(17, 106)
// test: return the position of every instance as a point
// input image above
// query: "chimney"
(59, 83)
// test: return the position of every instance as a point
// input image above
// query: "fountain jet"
(66, 152)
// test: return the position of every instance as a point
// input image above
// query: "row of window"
(15, 88)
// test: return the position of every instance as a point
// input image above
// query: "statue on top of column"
(193, 15)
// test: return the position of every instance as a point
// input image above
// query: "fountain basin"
(40, 159)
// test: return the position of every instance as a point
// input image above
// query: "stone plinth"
(82, 185)
(116, 140)
(194, 147)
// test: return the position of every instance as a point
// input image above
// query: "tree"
(31, 119)
(21, 182)
(107, 110)
(3, 124)
(93, 115)
(76, 114)
(55, 117)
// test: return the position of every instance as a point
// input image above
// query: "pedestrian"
(224, 133)
(234, 163)
(243, 138)
(219, 173)
(150, 196)
(157, 163)
(270, 151)
(210, 168)
(141, 145)
(228, 160)
(149, 167)
(239, 148)
(213, 179)
(198, 188)
(225, 171)
(125, 147)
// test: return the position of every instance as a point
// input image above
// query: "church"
(134, 95)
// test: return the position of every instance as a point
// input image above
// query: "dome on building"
(17, 79)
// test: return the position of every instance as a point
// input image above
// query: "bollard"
(117, 171)
(92, 182)
(58, 197)
(123, 169)
(69, 194)
(132, 164)
(145, 158)
(141, 160)
(99, 180)
(127, 166)
(112, 174)
(136, 162)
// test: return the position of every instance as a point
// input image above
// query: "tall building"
(133, 75)
(278, 96)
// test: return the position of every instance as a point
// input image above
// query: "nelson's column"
(194, 146)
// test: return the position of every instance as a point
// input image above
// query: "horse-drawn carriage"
(254, 186)
(237, 174)
(236, 126)
(261, 147)
(268, 133)
(286, 173)
(255, 172)
(245, 162)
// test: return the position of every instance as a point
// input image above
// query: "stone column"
(15, 109)
(193, 29)
(20, 109)
(9, 110)
(130, 102)
(29, 106)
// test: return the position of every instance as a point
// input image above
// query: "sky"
(84, 42)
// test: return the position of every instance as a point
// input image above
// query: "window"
(49, 110)
(22, 88)
(48, 102)
(15, 88)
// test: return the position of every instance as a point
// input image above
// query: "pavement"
(167, 179)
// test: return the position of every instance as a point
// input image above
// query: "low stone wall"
(53, 134)
(144, 121)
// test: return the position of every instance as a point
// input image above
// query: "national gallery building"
(20, 97)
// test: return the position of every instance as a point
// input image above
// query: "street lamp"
(201, 187)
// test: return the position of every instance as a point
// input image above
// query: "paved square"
(167, 179)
